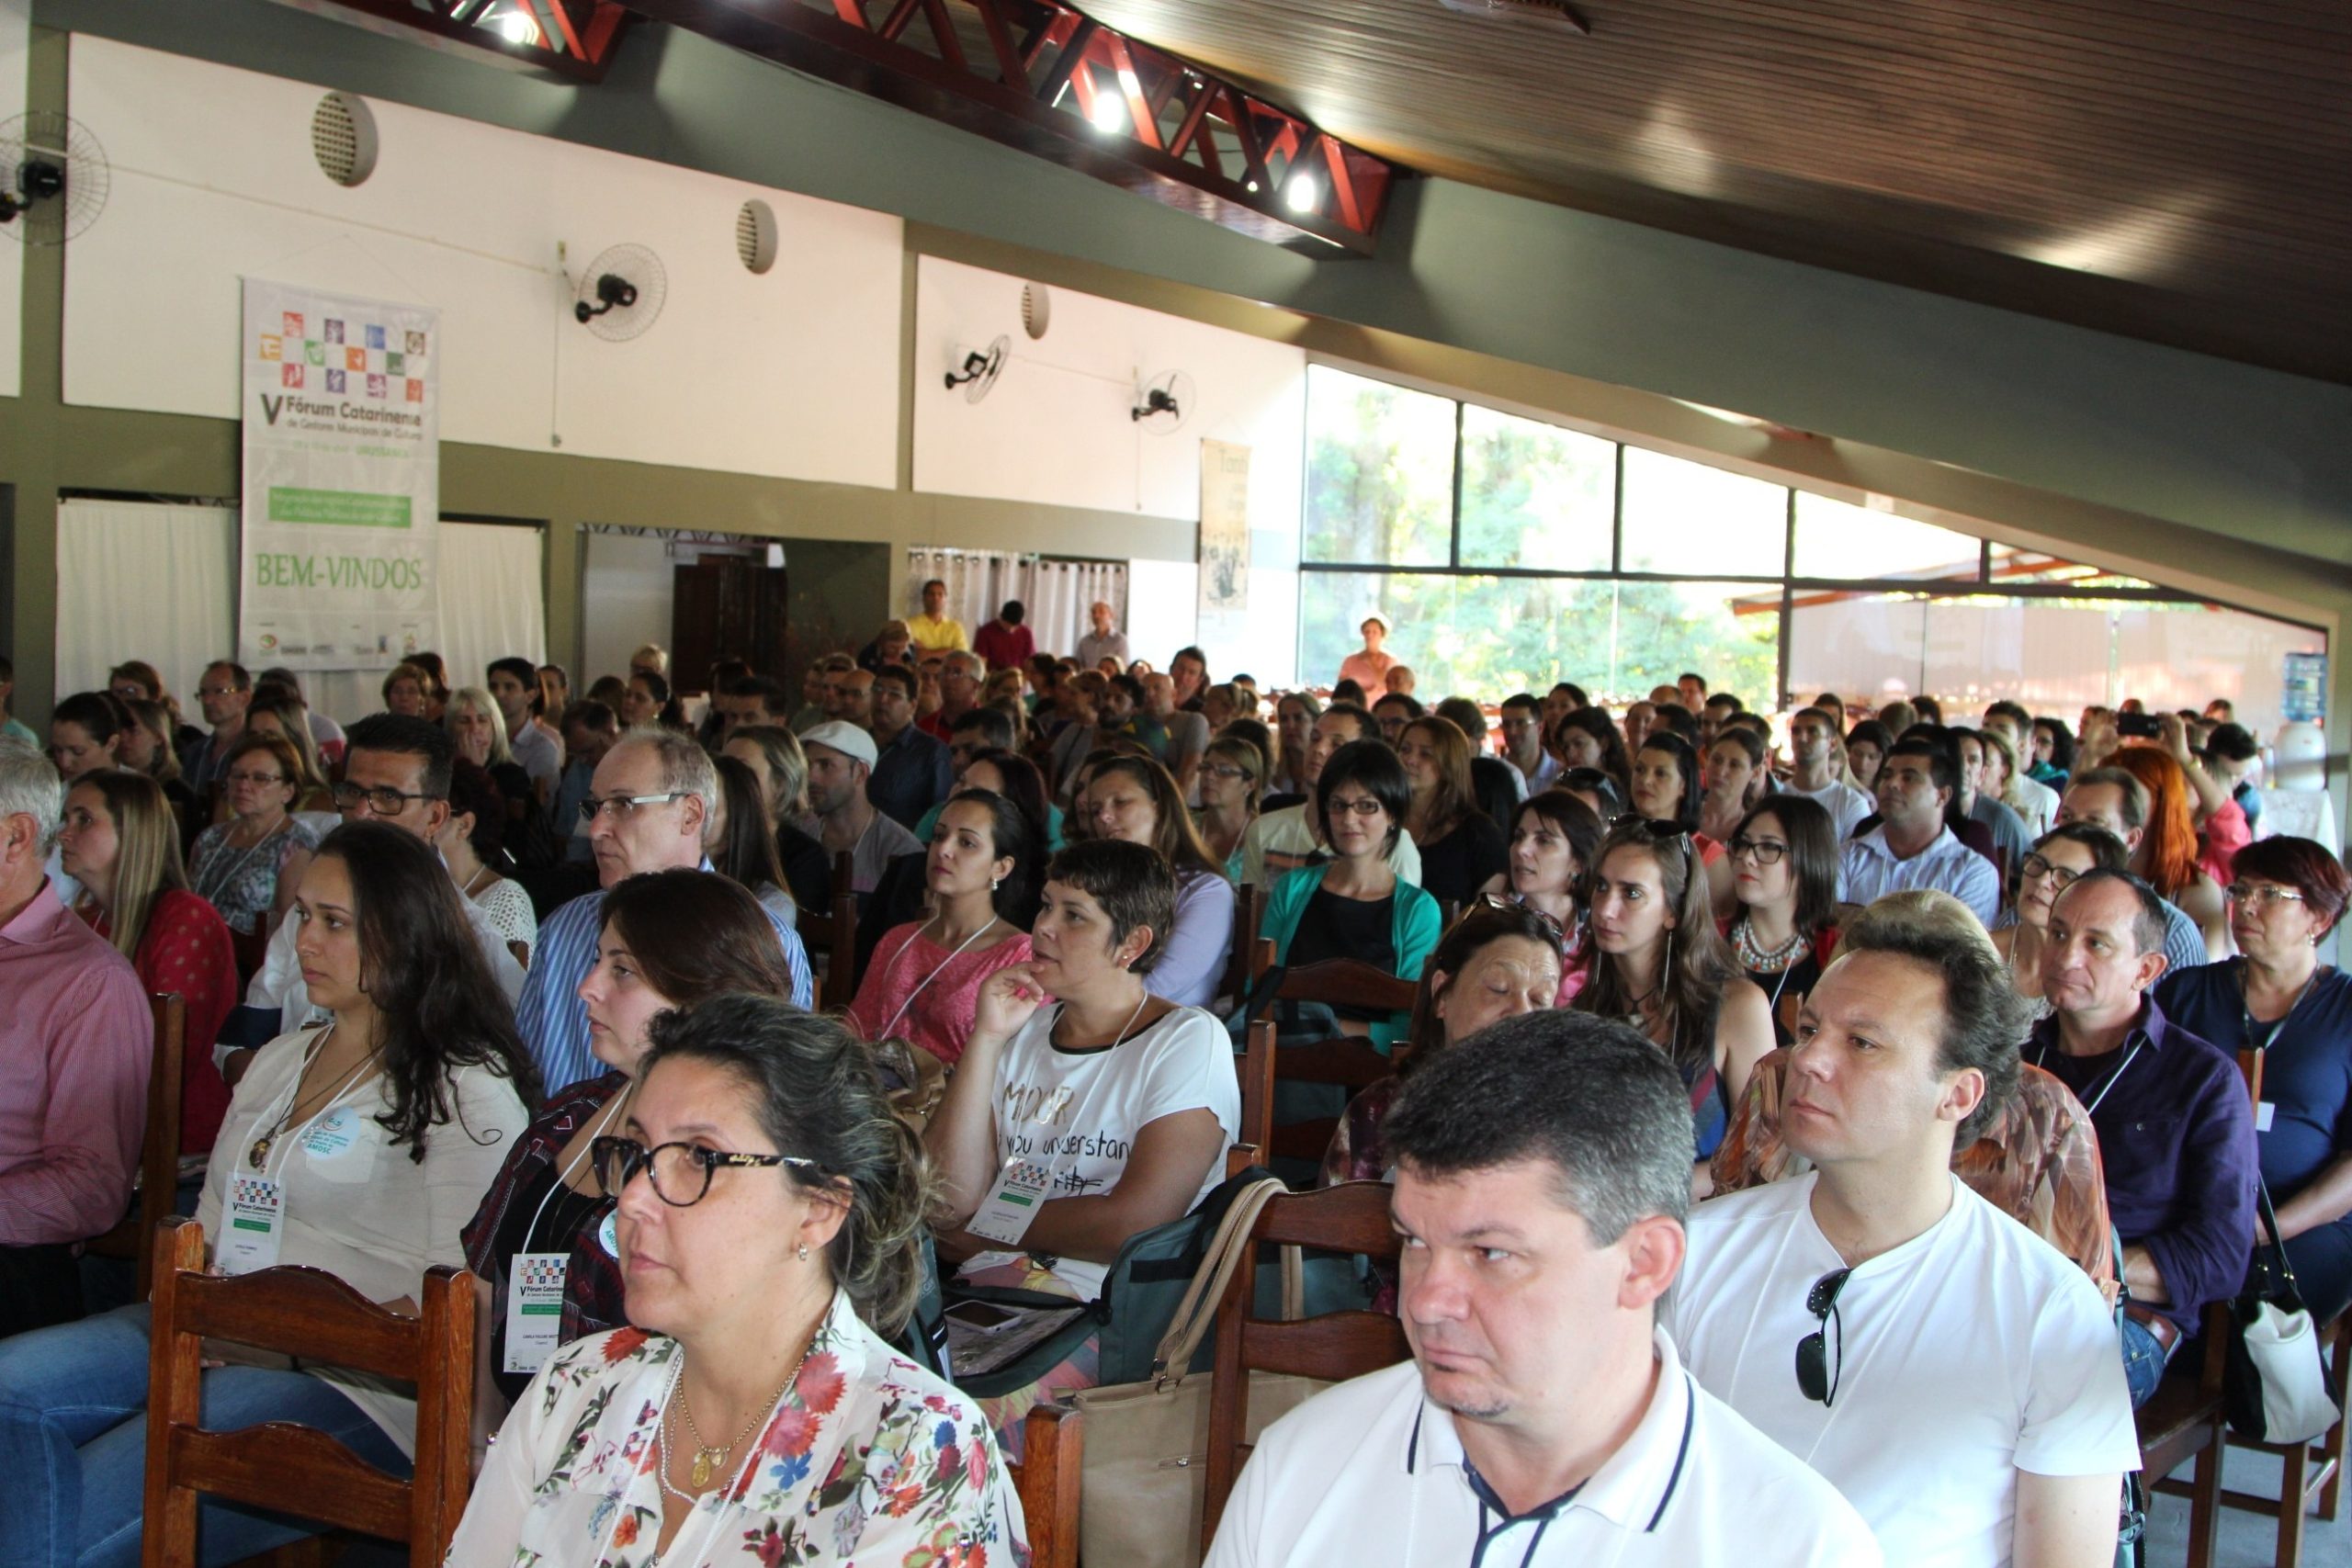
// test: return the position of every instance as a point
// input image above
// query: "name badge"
(607, 1236)
(1005, 1215)
(533, 1310)
(338, 1148)
(2264, 1114)
(256, 1224)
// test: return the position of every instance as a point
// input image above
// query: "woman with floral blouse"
(769, 1217)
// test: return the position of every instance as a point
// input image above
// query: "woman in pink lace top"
(925, 979)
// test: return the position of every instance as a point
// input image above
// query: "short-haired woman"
(1136, 800)
(2286, 896)
(1462, 848)
(669, 939)
(358, 1147)
(1784, 876)
(922, 984)
(1127, 1101)
(1662, 967)
(771, 1211)
(408, 690)
(249, 866)
(121, 841)
(1354, 905)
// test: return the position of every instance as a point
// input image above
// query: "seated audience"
(358, 1148)
(840, 763)
(471, 842)
(1956, 1377)
(1355, 904)
(924, 981)
(75, 1043)
(1734, 780)
(248, 866)
(1129, 1099)
(405, 691)
(2175, 1130)
(770, 1204)
(1393, 711)
(2054, 753)
(514, 686)
(1784, 876)
(1282, 841)
(1912, 845)
(1983, 806)
(2279, 998)
(1294, 717)
(477, 725)
(2170, 853)
(653, 795)
(1660, 964)
(1813, 739)
(590, 727)
(2036, 803)
(1597, 790)
(1542, 1184)
(276, 710)
(326, 735)
(2058, 857)
(1081, 705)
(739, 843)
(649, 702)
(147, 749)
(2036, 1161)
(85, 733)
(223, 691)
(960, 675)
(119, 841)
(1667, 787)
(981, 729)
(669, 939)
(1522, 719)
(1182, 736)
(1233, 780)
(436, 684)
(1462, 847)
(1553, 839)
(2116, 800)
(773, 753)
(1866, 748)
(912, 770)
(1135, 800)
(892, 646)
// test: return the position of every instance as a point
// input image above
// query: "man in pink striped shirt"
(75, 1040)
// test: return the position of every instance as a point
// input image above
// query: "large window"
(1507, 553)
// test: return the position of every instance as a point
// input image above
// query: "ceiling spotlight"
(1253, 185)
(518, 27)
(1301, 194)
(1109, 115)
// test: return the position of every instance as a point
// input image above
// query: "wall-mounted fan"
(980, 370)
(53, 177)
(620, 293)
(1164, 403)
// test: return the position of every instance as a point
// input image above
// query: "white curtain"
(144, 579)
(157, 581)
(1054, 593)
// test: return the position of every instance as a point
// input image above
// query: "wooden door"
(725, 606)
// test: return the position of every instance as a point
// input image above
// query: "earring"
(803, 1253)
(995, 883)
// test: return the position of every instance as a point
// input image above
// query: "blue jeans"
(73, 1445)
(2144, 1360)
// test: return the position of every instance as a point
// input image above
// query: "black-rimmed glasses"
(1767, 852)
(381, 800)
(1505, 901)
(680, 1172)
(1817, 1363)
(2035, 868)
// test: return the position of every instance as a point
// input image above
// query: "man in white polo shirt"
(1911, 847)
(1955, 1375)
(1545, 1420)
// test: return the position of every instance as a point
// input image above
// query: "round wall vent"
(342, 138)
(1036, 309)
(755, 235)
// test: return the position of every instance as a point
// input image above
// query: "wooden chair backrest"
(832, 932)
(311, 1314)
(1054, 1439)
(1351, 1217)
(1241, 965)
(159, 1156)
(1346, 982)
(1256, 1067)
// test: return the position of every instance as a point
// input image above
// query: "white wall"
(1056, 431)
(16, 28)
(792, 374)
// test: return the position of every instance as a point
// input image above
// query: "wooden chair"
(2181, 1420)
(159, 1158)
(1054, 1439)
(311, 1314)
(1256, 1067)
(833, 933)
(1241, 970)
(1349, 1218)
(1347, 1061)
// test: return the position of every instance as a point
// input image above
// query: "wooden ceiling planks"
(2178, 172)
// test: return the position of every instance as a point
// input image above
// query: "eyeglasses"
(1542, 917)
(1767, 852)
(1361, 806)
(130, 692)
(680, 1172)
(2035, 868)
(1817, 1365)
(258, 779)
(382, 800)
(2262, 894)
(1225, 770)
(621, 807)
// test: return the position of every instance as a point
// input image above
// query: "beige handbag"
(1147, 1443)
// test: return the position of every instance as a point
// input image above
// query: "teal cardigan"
(1413, 932)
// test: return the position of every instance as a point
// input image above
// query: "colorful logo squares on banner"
(335, 380)
(289, 375)
(314, 351)
(331, 331)
(272, 346)
(293, 327)
(375, 337)
(394, 364)
(417, 343)
(376, 387)
(355, 359)
(415, 390)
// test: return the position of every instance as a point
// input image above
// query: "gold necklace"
(708, 1457)
(258, 1155)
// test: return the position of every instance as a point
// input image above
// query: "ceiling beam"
(1080, 94)
(575, 38)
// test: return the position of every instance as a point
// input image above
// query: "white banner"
(1224, 526)
(340, 542)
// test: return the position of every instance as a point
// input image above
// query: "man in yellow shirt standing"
(932, 630)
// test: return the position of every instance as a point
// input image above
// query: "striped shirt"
(554, 1020)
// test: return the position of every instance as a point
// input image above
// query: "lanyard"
(2112, 1077)
(884, 1033)
(2279, 1024)
(563, 1177)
